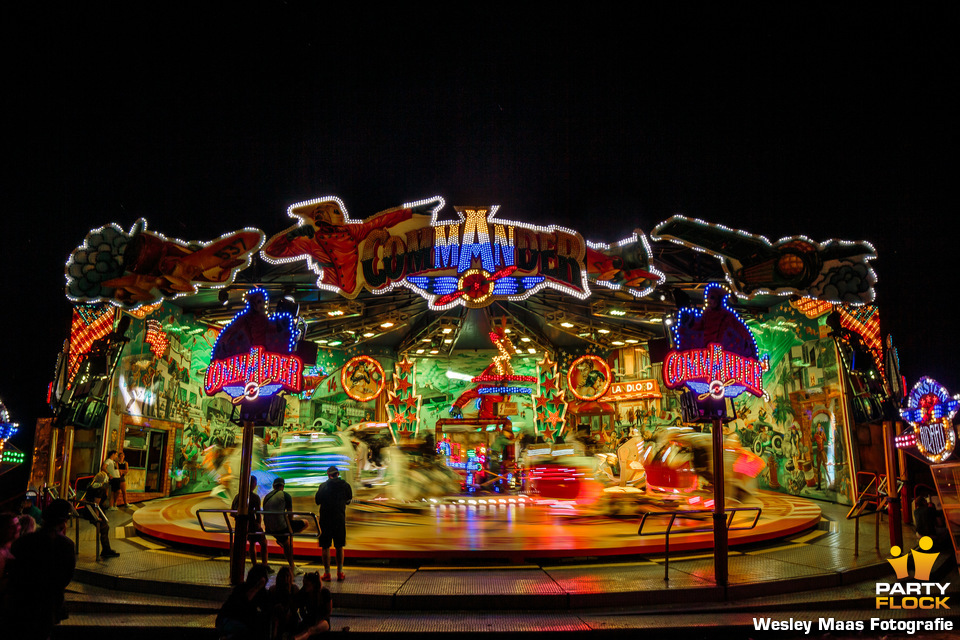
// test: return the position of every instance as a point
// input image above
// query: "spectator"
(122, 468)
(9, 531)
(284, 600)
(43, 568)
(255, 535)
(278, 505)
(316, 607)
(923, 516)
(27, 524)
(333, 496)
(91, 508)
(109, 467)
(243, 615)
(29, 507)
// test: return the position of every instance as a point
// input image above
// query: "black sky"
(828, 120)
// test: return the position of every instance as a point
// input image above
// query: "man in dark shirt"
(333, 496)
(43, 567)
(278, 505)
(256, 535)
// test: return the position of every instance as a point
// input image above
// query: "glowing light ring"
(930, 410)
(785, 291)
(597, 363)
(352, 366)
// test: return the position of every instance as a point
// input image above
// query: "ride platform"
(513, 528)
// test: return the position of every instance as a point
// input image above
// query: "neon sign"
(252, 356)
(257, 373)
(638, 390)
(713, 371)
(930, 410)
(471, 261)
(716, 354)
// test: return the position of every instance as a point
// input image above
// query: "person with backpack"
(277, 509)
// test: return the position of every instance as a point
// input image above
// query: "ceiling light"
(566, 325)
(386, 325)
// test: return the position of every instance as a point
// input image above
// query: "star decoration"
(405, 366)
(402, 385)
(404, 404)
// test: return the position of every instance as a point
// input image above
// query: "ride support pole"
(239, 551)
(893, 475)
(719, 512)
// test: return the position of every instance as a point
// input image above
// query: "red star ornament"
(402, 385)
(550, 384)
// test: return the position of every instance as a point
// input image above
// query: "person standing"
(333, 496)
(109, 467)
(44, 566)
(255, 535)
(122, 468)
(277, 507)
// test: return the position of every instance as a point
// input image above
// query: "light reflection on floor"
(451, 529)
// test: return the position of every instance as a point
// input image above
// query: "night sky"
(831, 121)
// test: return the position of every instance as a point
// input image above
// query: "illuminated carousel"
(489, 387)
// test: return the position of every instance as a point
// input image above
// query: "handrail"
(98, 514)
(732, 511)
(233, 512)
(880, 497)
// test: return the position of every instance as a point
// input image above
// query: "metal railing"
(233, 512)
(872, 500)
(732, 512)
(93, 508)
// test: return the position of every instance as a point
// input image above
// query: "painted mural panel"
(160, 378)
(800, 430)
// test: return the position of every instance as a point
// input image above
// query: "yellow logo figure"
(922, 562)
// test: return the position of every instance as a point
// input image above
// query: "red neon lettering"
(711, 364)
(256, 366)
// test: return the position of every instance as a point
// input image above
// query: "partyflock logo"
(919, 594)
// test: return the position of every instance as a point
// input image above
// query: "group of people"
(284, 611)
(273, 516)
(36, 565)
